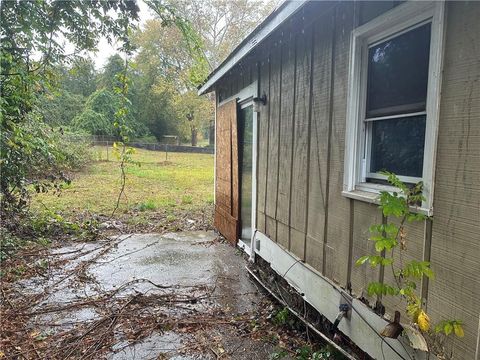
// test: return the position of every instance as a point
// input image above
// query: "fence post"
(166, 152)
(107, 150)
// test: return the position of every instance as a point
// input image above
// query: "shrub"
(38, 158)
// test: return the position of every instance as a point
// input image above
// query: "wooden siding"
(455, 242)
(303, 70)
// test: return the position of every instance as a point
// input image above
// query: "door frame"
(245, 98)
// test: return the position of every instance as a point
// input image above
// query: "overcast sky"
(105, 49)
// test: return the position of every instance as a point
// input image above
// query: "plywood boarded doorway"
(226, 218)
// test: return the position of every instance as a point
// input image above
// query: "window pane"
(397, 146)
(398, 74)
(245, 146)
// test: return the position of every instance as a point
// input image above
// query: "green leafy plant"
(147, 205)
(398, 208)
(187, 199)
(282, 317)
(121, 149)
(278, 355)
(449, 326)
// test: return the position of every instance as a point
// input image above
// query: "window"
(393, 100)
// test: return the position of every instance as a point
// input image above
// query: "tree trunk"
(194, 136)
(211, 134)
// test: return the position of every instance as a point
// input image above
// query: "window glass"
(397, 145)
(245, 147)
(398, 74)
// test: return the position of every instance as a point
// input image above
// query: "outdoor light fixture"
(257, 101)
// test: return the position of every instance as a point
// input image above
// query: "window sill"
(371, 197)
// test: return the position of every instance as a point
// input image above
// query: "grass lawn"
(181, 184)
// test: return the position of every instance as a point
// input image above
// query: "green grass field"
(182, 183)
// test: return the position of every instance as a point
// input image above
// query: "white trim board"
(325, 296)
(245, 98)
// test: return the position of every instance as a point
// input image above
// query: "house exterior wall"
(303, 70)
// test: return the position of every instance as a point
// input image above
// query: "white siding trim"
(326, 296)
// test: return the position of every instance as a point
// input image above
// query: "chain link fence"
(169, 145)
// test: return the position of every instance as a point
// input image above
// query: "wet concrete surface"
(181, 260)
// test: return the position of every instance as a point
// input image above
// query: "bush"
(59, 108)
(93, 123)
(74, 151)
(98, 116)
(36, 156)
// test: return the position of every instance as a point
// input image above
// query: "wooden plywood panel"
(226, 172)
(273, 139)
(319, 140)
(223, 171)
(286, 129)
(263, 141)
(226, 224)
(455, 251)
(338, 206)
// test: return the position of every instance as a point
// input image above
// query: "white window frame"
(392, 23)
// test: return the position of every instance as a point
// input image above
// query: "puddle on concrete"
(167, 344)
(162, 259)
(65, 320)
(177, 259)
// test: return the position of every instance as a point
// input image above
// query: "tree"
(163, 71)
(194, 114)
(59, 107)
(170, 65)
(65, 99)
(32, 34)
(80, 78)
(222, 24)
(99, 116)
(153, 102)
(109, 77)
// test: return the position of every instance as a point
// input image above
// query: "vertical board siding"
(369, 10)
(286, 138)
(298, 205)
(455, 251)
(364, 215)
(322, 59)
(338, 206)
(263, 130)
(273, 140)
